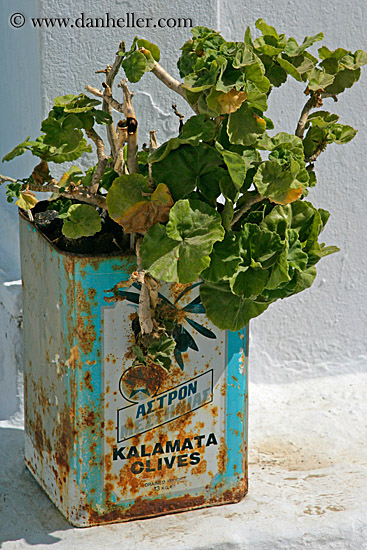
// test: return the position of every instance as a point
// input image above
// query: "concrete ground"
(308, 483)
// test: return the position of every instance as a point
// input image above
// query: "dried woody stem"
(111, 73)
(102, 159)
(81, 194)
(122, 130)
(145, 318)
(153, 145)
(132, 128)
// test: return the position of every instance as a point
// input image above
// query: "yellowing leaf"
(290, 196)
(67, 176)
(231, 101)
(41, 173)
(260, 121)
(27, 200)
(130, 204)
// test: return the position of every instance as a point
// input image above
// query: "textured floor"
(308, 483)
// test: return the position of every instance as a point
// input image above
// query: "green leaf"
(224, 259)
(196, 129)
(245, 126)
(134, 66)
(292, 49)
(322, 119)
(275, 181)
(83, 221)
(342, 80)
(227, 214)
(266, 29)
(290, 68)
(236, 165)
(249, 282)
(319, 80)
(255, 98)
(18, 150)
(206, 77)
(101, 117)
(301, 280)
(188, 167)
(278, 220)
(180, 251)
(276, 75)
(244, 56)
(76, 104)
(154, 50)
(325, 53)
(296, 257)
(343, 133)
(228, 189)
(227, 310)
(269, 45)
(259, 245)
(161, 351)
(64, 138)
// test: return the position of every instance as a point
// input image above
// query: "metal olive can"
(112, 439)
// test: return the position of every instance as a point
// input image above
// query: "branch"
(120, 166)
(170, 82)
(153, 145)
(245, 207)
(181, 117)
(102, 159)
(107, 95)
(145, 319)
(7, 178)
(81, 194)
(132, 125)
(317, 153)
(106, 107)
(314, 101)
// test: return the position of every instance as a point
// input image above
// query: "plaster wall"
(321, 331)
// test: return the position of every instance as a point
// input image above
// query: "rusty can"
(109, 440)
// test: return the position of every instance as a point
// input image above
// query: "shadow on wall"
(25, 511)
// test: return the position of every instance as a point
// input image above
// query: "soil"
(111, 238)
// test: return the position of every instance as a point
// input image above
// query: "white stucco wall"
(321, 331)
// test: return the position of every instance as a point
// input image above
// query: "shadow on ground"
(26, 513)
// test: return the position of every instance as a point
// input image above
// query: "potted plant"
(190, 239)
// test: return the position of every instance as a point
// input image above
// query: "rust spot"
(147, 508)
(222, 456)
(87, 380)
(74, 358)
(200, 468)
(92, 292)
(65, 434)
(89, 418)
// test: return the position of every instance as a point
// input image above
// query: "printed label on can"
(165, 431)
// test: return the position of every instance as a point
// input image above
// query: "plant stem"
(314, 101)
(153, 145)
(170, 82)
(106, 106)
(102, 159)
(145, 319)
(132, 123)
(245, 207)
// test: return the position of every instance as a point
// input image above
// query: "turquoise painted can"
(110, 441)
